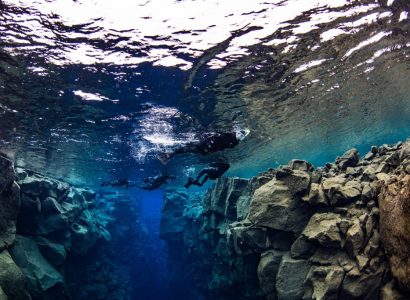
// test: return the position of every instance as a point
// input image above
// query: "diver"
(209, 142)
(215, 170)
(116, 183)
(155, 182)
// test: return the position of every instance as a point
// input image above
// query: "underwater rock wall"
(337, 232)
(62, 242)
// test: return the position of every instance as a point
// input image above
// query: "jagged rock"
(354, 239)
(12, 282)
(267, 269)
(348, 159)
(300, 165)
(224, 196)
(297, 181)
(351, 191)
(3, 296)
(328, 256)
(316, 196)
(324, 283)
(247, 240)
(172, 221)
(323, 228)
(9, 208)
(50, 206)
(40, 275)
(7, 174)
(55, 253)
(83, 238)
(364, 286)
(302, 248)
(394, 207)
(290, 278)
(331, 186)
(274, 206)
(28, 215)
(390, 292)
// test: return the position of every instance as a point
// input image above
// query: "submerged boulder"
(348, 159)
(274, 206)
(323, 228)
(290, 278)
(9, 208)
(41, 276)
(12, 282)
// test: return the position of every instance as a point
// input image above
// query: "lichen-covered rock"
(274, 206)
(12, 282)
(394, 203)
(323, 228)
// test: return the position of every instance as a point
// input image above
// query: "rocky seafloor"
(337, 232)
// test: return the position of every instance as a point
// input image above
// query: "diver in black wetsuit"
(155, 182)
(209, 142)
(216, 170)
(116, 183)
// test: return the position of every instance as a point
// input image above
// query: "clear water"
(94, 90)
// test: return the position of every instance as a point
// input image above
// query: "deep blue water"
(97, 95)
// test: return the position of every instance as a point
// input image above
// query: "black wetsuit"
(211, 142)
(215, 171)
(116, 182)
(153, 183)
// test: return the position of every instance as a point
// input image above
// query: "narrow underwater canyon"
(295, 232)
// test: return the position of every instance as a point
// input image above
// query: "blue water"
(95, 96)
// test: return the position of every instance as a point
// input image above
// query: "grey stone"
(40, 275)
(274, 206)
(351, 191)
(316, 196)
(290, 278)
(324, 282)
(297, 181)
(9, 208)
(12, 281)
(7, 174)
(29, 214)
(267, 269)
(362, 286)
(55, 253)
(302, 248)
(348, 159)
(354, 239)
(301, 165)
(323, 228)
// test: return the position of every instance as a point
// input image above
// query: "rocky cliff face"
(62, 242)
(337, 232)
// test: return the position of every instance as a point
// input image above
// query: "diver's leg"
(196, 182)
(203, 172)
